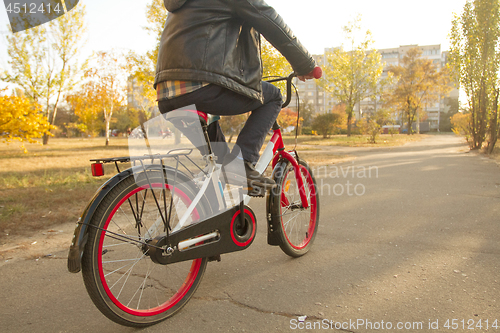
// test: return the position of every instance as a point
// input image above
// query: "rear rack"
(125, 159)
(176, 154)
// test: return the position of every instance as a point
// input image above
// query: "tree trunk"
(349, 118)
(472, 127)
(483, 115)
(494, 126)
(408, 110)
(409, 122)
(107, 132)
(46, 136)
(418, 122)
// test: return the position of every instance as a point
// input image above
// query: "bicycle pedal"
(215, 258)
(257, 192)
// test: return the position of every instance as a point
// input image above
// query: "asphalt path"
(408, 240)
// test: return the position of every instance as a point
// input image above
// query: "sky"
(117, 24)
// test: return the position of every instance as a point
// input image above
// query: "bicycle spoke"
(129, 272)
(121, 260)
(126, 216)
(297, 222)
(116, 270)
(128, 284)
(141, 287)
(123, 231)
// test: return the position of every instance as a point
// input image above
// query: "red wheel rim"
(183, 290)
(312, 204)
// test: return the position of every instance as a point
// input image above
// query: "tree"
(106, 90)
(66, 122)
(339, 109)
(326, 124)
(306, 112)
(142, 67)
(21, 120)
(460, 124)
(372, 124)
(95, 102)
(125, 119)
(418, 82)
(494, 125)
(86, 107)
(451, 108)
(44, 60)
(274, 64)
(475, 58)
(351, 76)
(141, 97)
(288, 118)
(232, 125)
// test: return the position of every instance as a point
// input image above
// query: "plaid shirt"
(171, 89)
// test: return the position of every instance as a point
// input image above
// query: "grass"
(496, 153)
(383, 140)
(50, 184)
(314, 148)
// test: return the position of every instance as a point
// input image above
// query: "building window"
(390, 55)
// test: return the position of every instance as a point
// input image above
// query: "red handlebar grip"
(317, 72)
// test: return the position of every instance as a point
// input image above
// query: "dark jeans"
(216, 100)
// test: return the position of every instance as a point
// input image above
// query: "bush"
(460, 124)
(326, 124)
(372, 124)
(306, 131)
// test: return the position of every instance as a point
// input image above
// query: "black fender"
(81, 230)
(273, 199)
(80, 234)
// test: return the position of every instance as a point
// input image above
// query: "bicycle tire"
(297, 227)
(122, 281)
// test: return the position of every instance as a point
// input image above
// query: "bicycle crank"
(223, 233)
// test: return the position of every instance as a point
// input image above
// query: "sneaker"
(234, 174)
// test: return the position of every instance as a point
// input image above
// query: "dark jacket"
(218, 41)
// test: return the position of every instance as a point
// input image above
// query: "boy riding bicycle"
(209, 56)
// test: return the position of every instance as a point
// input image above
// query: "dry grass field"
(50, 184)
(383, 140)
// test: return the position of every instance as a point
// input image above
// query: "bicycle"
(144, 240)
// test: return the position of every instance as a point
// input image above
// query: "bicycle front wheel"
(296, 225)
(121, 279)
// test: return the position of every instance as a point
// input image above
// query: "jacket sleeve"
(270, 24)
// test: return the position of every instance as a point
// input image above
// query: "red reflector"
(97, 169)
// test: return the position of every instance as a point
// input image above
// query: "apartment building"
(322, 102)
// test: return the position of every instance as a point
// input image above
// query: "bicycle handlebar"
(316, 73)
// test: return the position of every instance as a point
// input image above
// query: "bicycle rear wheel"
(297, 226)
(121, 279)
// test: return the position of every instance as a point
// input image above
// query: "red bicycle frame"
(279, 152)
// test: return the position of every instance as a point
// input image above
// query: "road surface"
(409, 239)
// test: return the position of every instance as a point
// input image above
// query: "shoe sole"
(243, 181)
